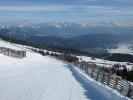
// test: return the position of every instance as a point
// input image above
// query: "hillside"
(39, 77)
(89, 39)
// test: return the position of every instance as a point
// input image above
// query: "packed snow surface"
(44, 78)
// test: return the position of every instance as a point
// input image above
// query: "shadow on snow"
(91, 92)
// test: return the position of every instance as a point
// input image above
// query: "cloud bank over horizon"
(120, 11)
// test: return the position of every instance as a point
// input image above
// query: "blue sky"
(80, 11)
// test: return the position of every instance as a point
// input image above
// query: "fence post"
(108, 79)
(86, 68)
(129, 91)
(8, 52)
(98, 74)
(103, 75)
(92, 71)
(78, 65)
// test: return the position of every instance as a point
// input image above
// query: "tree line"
(120, 70)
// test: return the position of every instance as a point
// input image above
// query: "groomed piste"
(39, 77)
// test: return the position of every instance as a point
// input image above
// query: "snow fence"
(12, 53)
(123, 86)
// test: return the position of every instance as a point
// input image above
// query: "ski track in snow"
(44, 78)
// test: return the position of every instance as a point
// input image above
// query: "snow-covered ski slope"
(123, 48)
(39, 77)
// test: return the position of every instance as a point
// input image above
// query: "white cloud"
(70, 9)
(35, 8)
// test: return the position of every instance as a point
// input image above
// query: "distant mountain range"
(95, 39)
(66, 29)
